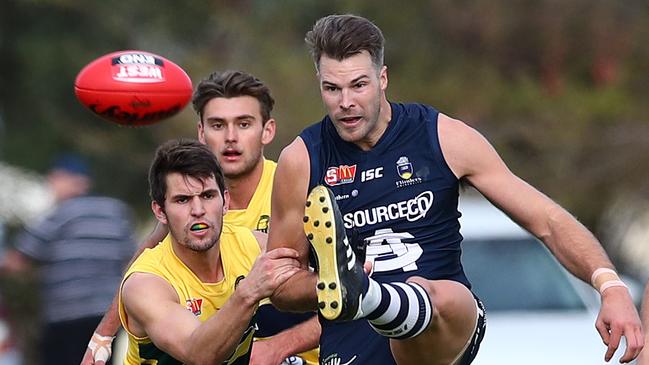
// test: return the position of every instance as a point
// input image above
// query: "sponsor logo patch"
(194, 305)
(343, 174)
(411, 209)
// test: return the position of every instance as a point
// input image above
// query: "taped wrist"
(604, 278)
(100, 346)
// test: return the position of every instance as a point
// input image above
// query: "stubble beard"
(245, 170)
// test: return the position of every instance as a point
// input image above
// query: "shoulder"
(145, 282)
(294, 156)
(151, 260)
(464, 148)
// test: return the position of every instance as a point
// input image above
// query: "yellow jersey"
(238, 248)
(257, 215)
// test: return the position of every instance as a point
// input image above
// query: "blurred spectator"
(79, 249)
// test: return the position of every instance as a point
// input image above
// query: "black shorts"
(480, 328)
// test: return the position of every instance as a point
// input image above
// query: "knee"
(449, 298)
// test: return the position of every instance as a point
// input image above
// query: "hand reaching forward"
(270, 270)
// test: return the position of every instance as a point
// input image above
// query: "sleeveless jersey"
(401, 197)
(239, 249)
(257, 215)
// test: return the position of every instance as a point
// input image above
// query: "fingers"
(614, 342)
(603, 331)
(634, 344)
(282, 252)
(634, 341)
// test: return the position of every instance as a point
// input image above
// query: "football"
(133, 88)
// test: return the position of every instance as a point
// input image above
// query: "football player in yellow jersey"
(192, 299)
(235, 123)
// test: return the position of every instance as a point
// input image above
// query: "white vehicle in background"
(537, 312)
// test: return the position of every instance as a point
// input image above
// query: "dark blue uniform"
(401, 197)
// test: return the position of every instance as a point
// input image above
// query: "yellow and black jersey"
(238, 248)
(257, 215)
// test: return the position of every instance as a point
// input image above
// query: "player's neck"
(242, 188)
(205, 265)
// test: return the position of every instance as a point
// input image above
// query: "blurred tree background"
(559, 87)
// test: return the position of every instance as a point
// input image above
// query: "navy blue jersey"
(401, 197)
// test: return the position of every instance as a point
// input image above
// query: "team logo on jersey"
(388, 251)
(406, 172)
(262, 223)
(342, 174)
(404, 168)
(194, 305)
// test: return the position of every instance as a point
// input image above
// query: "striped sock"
(397, 310)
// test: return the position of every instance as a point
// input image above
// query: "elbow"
(555, 221)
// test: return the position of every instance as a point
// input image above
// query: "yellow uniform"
(239, 249)
(257, 217)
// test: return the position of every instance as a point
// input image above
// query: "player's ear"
(383, 77)
(269, 132)
(201, 131)
(159, 212)
(226, 201)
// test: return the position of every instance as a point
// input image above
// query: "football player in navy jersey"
(380, 184)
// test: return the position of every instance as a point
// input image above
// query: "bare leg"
(453, 324)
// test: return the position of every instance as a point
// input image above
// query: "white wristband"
(100, 346)
(600, 271)
(611, 283)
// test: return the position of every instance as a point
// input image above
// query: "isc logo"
(372, 174)
(342, 174)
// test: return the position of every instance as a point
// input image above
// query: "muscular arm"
(176, 331)
(109, 324)
(286, 230)
(160, 315)
(471, 157)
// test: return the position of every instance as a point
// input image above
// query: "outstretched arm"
(109, 324)
(286, 227)
(471, 157)
(176, 331)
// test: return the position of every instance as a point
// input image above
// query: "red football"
(133, 87)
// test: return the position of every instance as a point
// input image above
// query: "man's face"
(352, 90)
(233, 129)
(193, 211)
